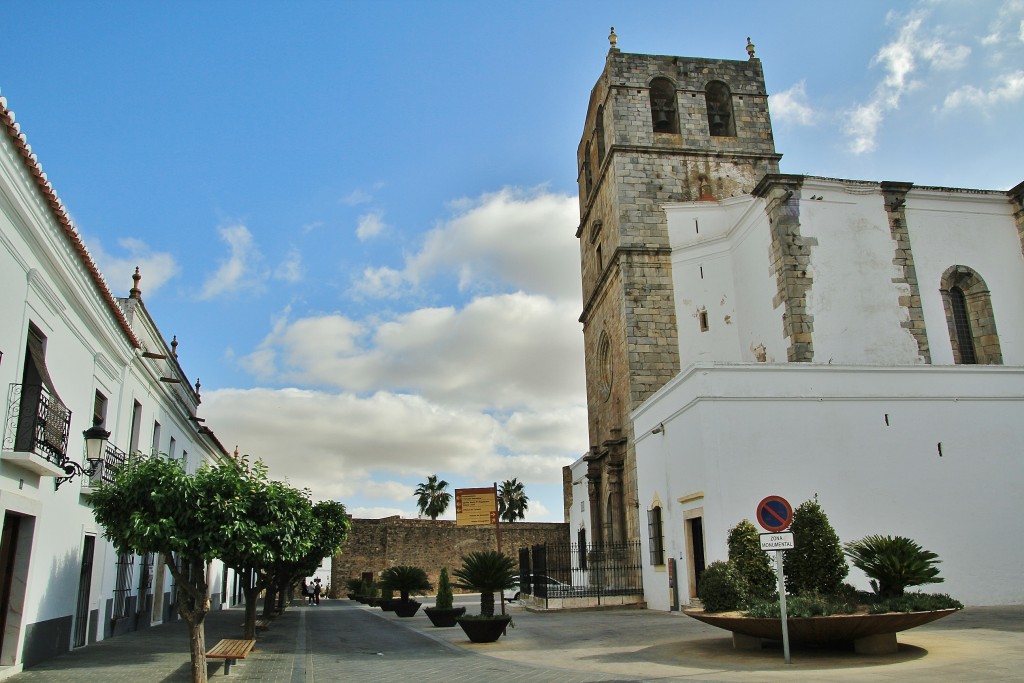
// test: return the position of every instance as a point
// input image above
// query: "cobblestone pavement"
(344, 641)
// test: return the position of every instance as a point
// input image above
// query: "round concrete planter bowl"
(870, 633)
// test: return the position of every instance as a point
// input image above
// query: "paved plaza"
(341, 640)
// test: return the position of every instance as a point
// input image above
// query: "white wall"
(739, 433)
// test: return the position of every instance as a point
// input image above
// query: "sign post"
(774, 514)
(479, 507)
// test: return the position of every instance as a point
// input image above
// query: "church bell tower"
(659, 129)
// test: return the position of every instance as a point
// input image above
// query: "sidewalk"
(342, 640)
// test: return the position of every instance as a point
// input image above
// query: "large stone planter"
(406, 609)
(484, 630)
(444, 617)
(870, 633)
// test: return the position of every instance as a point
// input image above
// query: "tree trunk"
(270, 600)
(251, 597)
(193, 606)
(486, 604)
(197, 647)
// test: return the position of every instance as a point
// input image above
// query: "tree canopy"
(432, 497)
(512, 500)
(154, 506)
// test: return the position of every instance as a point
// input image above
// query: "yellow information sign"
(476, 507)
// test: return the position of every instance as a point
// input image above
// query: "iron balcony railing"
(113, 460)
(37, 422)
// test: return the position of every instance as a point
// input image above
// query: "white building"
(74, 355)
(751, 333)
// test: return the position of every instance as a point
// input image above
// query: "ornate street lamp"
(95, 448)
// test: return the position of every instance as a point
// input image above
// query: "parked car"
(555, 588)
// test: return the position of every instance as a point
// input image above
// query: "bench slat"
(231, 649)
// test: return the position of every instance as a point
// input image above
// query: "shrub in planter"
(488, 572)
(722, 588)
(916, 602)
(817, 563)
(752, 563)
(406, 580)
(893, 563)
(443, 613)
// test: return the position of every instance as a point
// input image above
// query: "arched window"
(969, 318)
(605, 375)
(719, 104)
(600, 135)
(663, 106)
(655, 536)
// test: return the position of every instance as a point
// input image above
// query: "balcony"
(36, 431)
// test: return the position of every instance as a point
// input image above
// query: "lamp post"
(95, 446)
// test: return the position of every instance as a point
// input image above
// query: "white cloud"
(238, 271)
(156, 268)
(290, 269)
(388, 490)
(480, 392)
(790, 106)
(340, 445)
(1009, 88)
(380, 283)
(356, 197)
(370, 225)
(503, 351)
(511, 239)
(901, 59)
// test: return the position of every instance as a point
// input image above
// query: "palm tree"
(432, 498)
(512, 500)
(489, 572)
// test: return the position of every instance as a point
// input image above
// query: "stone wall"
(373, 545)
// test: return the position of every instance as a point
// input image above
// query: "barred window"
(123, 587)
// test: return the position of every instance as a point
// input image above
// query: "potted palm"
(406, 580)
(443, 613)
(487, 572)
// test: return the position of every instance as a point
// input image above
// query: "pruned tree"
(512, 500)
(432, 498)
(154, 506)
(280, 518)
(326, 531)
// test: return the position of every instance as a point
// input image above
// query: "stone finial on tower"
(135, 292)
(198, 396)
(613, 40)
(750, 48)
(174, 346)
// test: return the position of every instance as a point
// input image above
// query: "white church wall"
(853, 300)
(975, 230)
(719, 248)
(737, 433)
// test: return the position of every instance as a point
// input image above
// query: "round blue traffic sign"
(774, 513)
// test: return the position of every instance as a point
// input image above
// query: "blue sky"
(358, 218)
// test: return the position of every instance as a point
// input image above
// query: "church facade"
(751, 333)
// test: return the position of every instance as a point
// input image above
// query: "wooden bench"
(230, 651)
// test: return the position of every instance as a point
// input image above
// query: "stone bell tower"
(659, 129)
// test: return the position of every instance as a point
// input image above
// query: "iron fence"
(576, 570)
